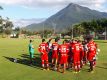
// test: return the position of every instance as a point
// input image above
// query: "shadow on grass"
(101, 67)
(26, 61)
(101, 41)
(104, 66)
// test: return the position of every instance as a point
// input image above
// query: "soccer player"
(31, 51)
(63, 51)
(84, 43)
(76, 56)
(43, 49)
(81, 53)
(55, 47)
(71, 52)
(50, 50)
(68, 55)
(91, 53)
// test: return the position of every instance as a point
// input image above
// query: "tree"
(5, 26)
(1, 24)
(8, 27)
(97, 26)
(45, 33)
(7, 31)
(78, 30)
(17, 29)
(87, 27)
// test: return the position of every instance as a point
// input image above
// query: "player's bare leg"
(43, 65)
(56, 61)
(47, 64)
(59, 66)
(75, 67)
(64, 68)
(53, 62)
(78, 67)
(67, 65)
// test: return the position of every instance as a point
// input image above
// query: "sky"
(25, 11)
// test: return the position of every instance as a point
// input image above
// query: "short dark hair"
(43, 40)
(67, 41)
(56, 39)
(30, 41)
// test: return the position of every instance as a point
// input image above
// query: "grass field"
(17, 48)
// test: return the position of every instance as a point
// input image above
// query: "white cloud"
(94, 4)
(56, 4)
(25, 22)
(51, 3)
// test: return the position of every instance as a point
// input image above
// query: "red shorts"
(90, 56)
(63, 59)
(44, 57)
(55, 55)
(76, 59)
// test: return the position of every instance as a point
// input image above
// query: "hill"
(70, 15)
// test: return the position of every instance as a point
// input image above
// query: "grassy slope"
(15, 48)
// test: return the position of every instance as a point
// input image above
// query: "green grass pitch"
(18, 48)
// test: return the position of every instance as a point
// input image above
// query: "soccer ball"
(15, 60)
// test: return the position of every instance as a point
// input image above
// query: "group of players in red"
(71, 54)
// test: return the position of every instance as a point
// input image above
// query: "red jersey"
(95, 44)
(43, 48)
(91, 47)
(68, 44)
(64, 49)
(91, 50)
(55, 47)
(81, 51)
(76, 48)
(72, 44)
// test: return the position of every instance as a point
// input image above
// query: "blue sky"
(31, 9)
(18, 12)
